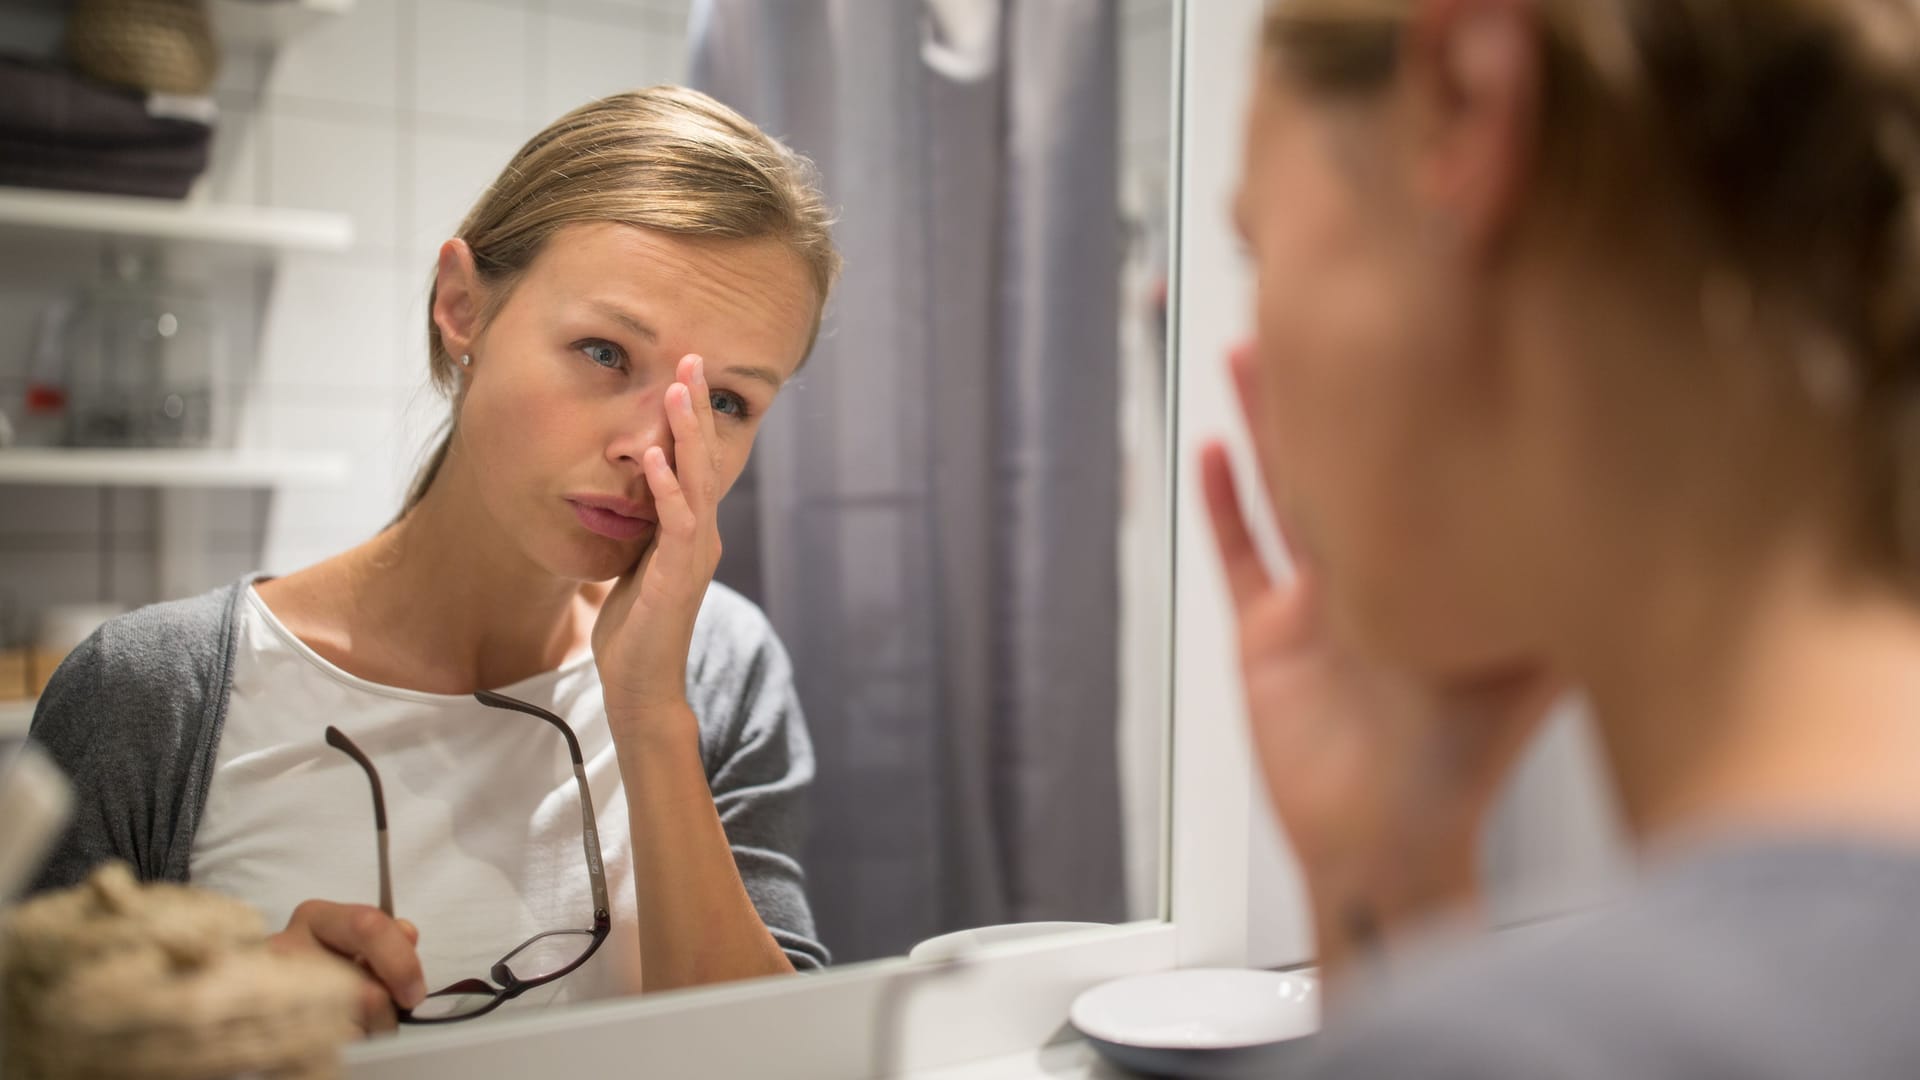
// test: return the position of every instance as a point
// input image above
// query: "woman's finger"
(370, 936)
(1247, 577)
(1240, 364)
(694, 374)
(709, 432)
(691, 451)
(1240, 368)
(678, 522)
(377, 1015)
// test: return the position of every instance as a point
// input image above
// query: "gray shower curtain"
(931, 517)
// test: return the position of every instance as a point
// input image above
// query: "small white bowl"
(1200, 1022)
(962, 943)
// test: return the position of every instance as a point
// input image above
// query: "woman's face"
(1376, 405)
(566, 390)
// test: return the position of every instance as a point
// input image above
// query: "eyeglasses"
(549, 956)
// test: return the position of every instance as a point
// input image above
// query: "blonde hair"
(665, 158)
(1788, 130)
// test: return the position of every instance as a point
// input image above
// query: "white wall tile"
(471, 61)
(344, 165)
(30, 510)
(448, 173)
(233, 172)
(131, 576)
(330, 324)
(591, 58)
(351, 60)
(373, 437)
(243, 75)
(37, 578)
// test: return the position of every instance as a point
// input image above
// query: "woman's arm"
(698, 924)
(698, 921)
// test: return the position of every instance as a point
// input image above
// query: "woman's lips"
(610, 524)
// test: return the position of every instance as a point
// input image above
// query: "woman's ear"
(456, 297)
(1474, 73)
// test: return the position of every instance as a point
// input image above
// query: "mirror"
(955, 518)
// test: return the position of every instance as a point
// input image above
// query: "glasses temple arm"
(339, 741)
(590, 829)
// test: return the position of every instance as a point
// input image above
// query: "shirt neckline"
(340, 675)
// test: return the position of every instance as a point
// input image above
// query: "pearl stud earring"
(466, 360)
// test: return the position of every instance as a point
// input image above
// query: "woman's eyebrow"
(627, 319)
(750, 371)
(624, 318)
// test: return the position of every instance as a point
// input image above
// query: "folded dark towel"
(62, 130)
(159, 171)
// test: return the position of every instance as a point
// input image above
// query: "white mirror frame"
(890, 1018)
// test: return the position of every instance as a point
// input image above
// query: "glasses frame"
(509, 986)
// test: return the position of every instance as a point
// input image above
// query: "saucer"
(1201, 1022)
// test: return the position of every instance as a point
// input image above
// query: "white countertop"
(1074, 1060)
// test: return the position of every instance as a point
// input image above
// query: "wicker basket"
(162, 46)
(118, 980)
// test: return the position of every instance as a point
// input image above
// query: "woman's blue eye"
(606, 354)
(728, 404)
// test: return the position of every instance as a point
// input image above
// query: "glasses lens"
(452, 1005)
(545, 955)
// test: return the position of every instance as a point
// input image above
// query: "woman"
(1588, 354)
(612, 322)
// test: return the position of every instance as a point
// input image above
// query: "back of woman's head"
(1786, 133)
(664, 158)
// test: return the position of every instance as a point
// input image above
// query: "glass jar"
(143, 359)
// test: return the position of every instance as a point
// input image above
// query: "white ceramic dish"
(1200, 1022)
(960, 943)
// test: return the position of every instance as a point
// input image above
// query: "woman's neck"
(1785, 702)
(439, 602)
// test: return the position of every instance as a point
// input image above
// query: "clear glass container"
(143, 359)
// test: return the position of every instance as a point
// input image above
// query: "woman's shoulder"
(172, 639)
(1702, 969)
(739, 679)
(131, 716)
(731, 633)
(147, 669)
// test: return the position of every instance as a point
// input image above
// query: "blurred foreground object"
(113, 978)
(34, 802)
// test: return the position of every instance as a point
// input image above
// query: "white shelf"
(170, 468)
(256, 228)
(270, 23)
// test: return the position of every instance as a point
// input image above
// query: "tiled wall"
(398, 114)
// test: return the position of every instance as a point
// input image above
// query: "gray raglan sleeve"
(759, 763)
(131, 718)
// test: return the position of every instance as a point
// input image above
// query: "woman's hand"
(645, 627)
(1381, 782)
(380, 945)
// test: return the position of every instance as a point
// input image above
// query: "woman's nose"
(636, 429)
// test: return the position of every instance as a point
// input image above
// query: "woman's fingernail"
(416, 993)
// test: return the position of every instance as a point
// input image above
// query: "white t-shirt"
(483, 813)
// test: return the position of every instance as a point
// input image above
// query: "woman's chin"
(592, 558)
